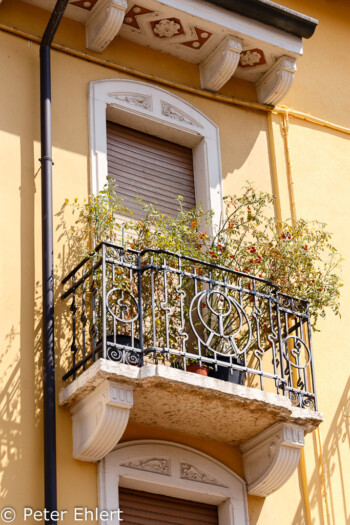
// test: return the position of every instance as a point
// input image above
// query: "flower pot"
(223, 372)
(124, 340)
(198, 369)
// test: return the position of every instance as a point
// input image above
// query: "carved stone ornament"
(166, 28)
(221, 64)
(270, 458)
(251, 58)
(195, 474)
(104, 23)
(172, 112)
(277, 81)
(99, 420)
(134, 99)
(157, 465)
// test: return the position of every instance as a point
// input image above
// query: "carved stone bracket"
(100, 419)
(104, 23)
(270, 458)
(277, 81)
(221, 64)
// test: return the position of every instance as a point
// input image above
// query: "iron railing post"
(104, 304)
(140, 309)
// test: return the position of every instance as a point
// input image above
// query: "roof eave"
(272, 14)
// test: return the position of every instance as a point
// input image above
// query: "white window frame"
(158, 467)
(154, 110)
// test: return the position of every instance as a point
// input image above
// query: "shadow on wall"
(255, 505)
(11, 431)
(237, 146)
(337, 493)
(20, 360)
(66, 259)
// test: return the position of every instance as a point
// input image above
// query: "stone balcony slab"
(181, 401)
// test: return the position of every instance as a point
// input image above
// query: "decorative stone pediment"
(270, 458)
(138, 100)
(194, 473)
(159, 465)
(173, 112)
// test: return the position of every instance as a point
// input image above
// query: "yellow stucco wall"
(320, 166)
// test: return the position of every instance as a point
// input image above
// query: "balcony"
(141, 320)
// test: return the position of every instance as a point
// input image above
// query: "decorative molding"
(202, 36)
(277, 81)
(252, 58)
(99, 420)
(134, 99)
(167, 28)
(221, 64)
(104, 23)
(158, 465)
(270, 458)
(195, 474)
(229, 494)
(172, 112)
(84, 4)
(131, 16)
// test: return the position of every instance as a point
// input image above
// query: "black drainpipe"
(47, 260)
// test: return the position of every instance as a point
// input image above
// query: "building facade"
(218, 93)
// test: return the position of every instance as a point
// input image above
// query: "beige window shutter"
(143, 508)
(154, 169)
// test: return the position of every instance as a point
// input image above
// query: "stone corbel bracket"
(277, 81)
(99, 420)
(221, 64)
(104, 23)
(270, 458)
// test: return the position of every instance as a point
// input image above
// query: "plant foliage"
(298, 257)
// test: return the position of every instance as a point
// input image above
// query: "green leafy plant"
(298, 257)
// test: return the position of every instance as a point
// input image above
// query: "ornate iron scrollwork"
(219, 317)
(295, 352)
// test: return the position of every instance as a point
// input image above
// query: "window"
(153, 168)
(155, 111)
(171, 470)
(154, 508)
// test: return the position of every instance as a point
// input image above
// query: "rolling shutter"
(143, 508)
(154, 169)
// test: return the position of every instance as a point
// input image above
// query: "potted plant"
(197, 368)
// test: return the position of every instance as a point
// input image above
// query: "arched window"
(177, 471)
(157, 112)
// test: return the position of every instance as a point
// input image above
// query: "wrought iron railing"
(156, 306)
